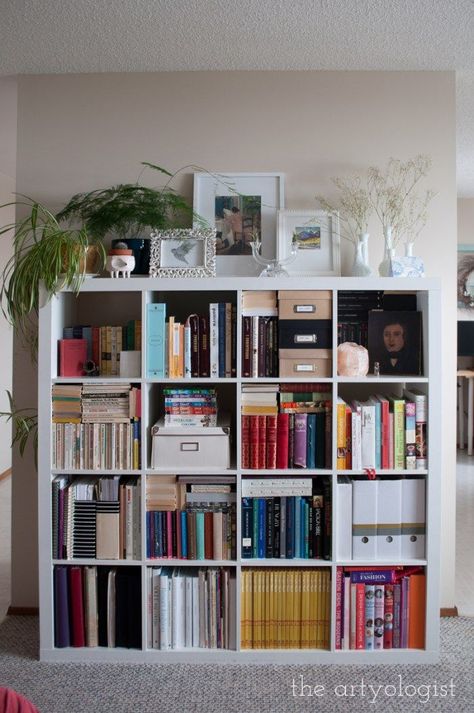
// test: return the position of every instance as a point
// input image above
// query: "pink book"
(379, 616)
(360, 616)
(346, 629)
(390, 441)
(72, 356)
(388, 617)
(339, 610)
(300, 442)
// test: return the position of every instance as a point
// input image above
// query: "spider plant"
(44, 254)
(24, 424)
(128, 210)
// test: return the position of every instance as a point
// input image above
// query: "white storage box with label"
(200, 447)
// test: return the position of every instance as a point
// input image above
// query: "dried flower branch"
(354, 207)
(392, 194)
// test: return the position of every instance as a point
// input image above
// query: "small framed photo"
(316, 233)
(395, 343)
(183, 253)
(241, 207)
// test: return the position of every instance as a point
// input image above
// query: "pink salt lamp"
(352, 359)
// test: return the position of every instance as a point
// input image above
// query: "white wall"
(466, 221)
(8, 105)
(81, 132)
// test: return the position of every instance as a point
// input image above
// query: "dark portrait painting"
(395, 342)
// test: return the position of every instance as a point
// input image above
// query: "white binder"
(413, 518)
(364, 519)
(389, 518)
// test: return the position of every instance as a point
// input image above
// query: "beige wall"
(466, 221)
(81, 132)
(8, 105)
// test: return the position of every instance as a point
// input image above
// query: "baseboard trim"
(449, 612)
(6, 474)
(22, 611)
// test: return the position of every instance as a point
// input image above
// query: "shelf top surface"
(229, 283)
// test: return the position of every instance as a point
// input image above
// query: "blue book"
(87, 334)
(254, 526)
(155, 340)
(297, 528)
(378, 432)
(311, 441)
(305, 533)
(290, 527)
(221, 333)
(184, 534)
(158, 540)
(283, 527)
(149, 534)
(262, 509)
(200, 535)
(247, 527)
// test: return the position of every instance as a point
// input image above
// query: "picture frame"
(239, 206)
(183, 253)
(465, 286)
(317, 233)
(394, 342)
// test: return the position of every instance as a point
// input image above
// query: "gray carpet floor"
(149, 688)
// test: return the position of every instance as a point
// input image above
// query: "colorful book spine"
(155, 343)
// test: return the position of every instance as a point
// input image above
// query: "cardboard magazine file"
(202, 447)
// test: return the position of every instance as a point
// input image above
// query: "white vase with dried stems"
(354, 209)
(400, 208)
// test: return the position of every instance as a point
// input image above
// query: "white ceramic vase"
(389, 252)
(360, 268)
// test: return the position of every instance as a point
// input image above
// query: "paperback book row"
(191, 608)
(204, 346)
(285, 608)
(285, 427)
(383, 432)
(380, 608)
(190, 407)
(286, 518)
(100, 345)
(96, 426)
(97, 606)
(381, 519)
(96, 517)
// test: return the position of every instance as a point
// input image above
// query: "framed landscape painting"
(316, 233)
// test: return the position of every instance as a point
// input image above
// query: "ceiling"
(62, 36)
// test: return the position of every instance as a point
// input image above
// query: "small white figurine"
(120, 261)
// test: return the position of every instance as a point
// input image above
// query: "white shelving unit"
(104, 300)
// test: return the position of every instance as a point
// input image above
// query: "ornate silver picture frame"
(183, 253)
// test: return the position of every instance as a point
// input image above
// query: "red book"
(77, 607)
(254, 435)
(360, 616)
(271, 459)
(283, 424)
(388, 617)
(348, 437)
(72, 356)
(385, 418)
(262, 442)
(96, 346)
(208, 535)
(245, 454)
(339, 608)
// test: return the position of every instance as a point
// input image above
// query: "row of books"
(286, 518)
(383, 432)
(380, 608)
(201, 532)
(285, 608)
(190, 407)
(204, 346)
(100, 345)
(97, 606)
(353, 309)
(96, 446)
(96, 517)
(95, 403)
(382, 519)
(191, 608)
